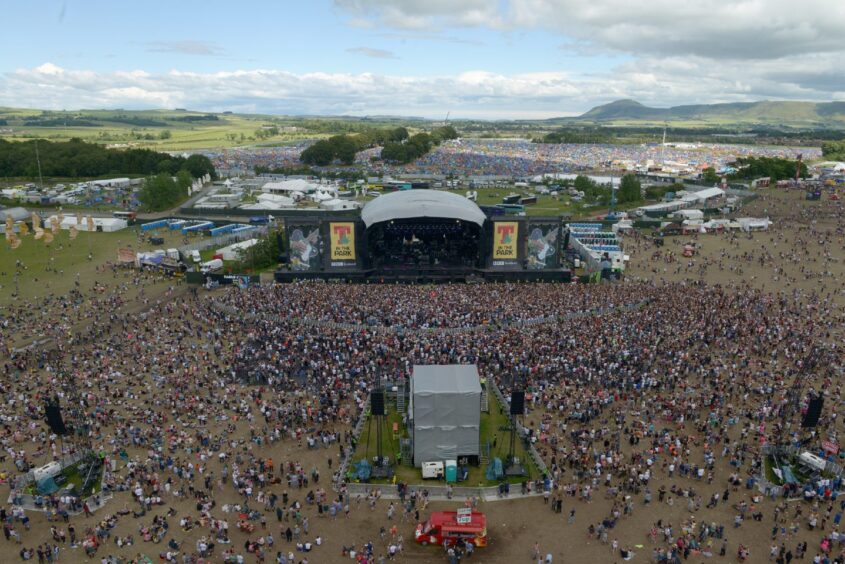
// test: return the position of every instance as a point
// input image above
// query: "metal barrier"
(390, 329)
(223, 240)
(532, 452)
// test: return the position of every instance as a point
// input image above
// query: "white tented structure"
(753, 223)
(336, 204)
(105, 224)
(233, 251)
(446, 412)
(290, 186)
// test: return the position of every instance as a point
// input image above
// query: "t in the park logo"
(342, 234)
(505, 233)
(504, 246)
(343, 241)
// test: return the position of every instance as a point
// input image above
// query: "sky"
(486, 59)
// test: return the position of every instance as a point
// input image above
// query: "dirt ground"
(803, 251)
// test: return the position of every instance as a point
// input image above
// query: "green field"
(547, 205)
(52, 269)
(493, 426)
(167, 130)
(229, 130)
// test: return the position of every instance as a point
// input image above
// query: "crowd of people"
(222, 418)
(518, 158)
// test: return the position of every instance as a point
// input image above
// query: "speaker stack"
(54, 417)
(814, 411)
(517, 402)
(377, 403)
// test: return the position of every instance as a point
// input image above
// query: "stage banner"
(342, 241)
(542, 246)
(305, 246)
(505, 235)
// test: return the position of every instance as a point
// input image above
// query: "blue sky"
(475, 58)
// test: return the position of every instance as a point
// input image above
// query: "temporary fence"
(399, 329)
(223, 240)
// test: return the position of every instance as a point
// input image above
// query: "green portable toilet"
(451, 471)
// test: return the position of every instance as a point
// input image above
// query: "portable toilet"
(452, 471)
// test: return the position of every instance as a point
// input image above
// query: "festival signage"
(305, 246)
(505, 235)
(464, 516)
(542, 246)
(342, 236)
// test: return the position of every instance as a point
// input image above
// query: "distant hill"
(800, 115)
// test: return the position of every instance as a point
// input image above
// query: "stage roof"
(408, 204)
(445, 379)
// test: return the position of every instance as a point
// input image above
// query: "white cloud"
(739, 29)
(477, 93)
(678, 51)
(416, 15)
(372, 52)
(187, 47)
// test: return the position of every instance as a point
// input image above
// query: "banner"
(504, 240)
(542, 246)
(342, 241)
(305, 246)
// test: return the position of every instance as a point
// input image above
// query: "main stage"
(424, 236)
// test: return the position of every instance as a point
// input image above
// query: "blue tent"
(47, 486)
(362, 470)
(495, 471)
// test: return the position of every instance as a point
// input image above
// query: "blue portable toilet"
(451, 471)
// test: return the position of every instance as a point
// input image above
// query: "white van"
(211, 266)
(47, 471)
(812, 461)
(195, 256)
(432, 470)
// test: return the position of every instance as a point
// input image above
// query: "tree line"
(630, 190)
(582, 136)
(760, 167)
(834, 150)
(397, 145)
(78, 159)
(163, 191)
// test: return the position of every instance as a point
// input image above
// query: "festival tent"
(753, 223)
(276, 199)
(105, 224)
(336, 204)
(233, 251)
(289, 186)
